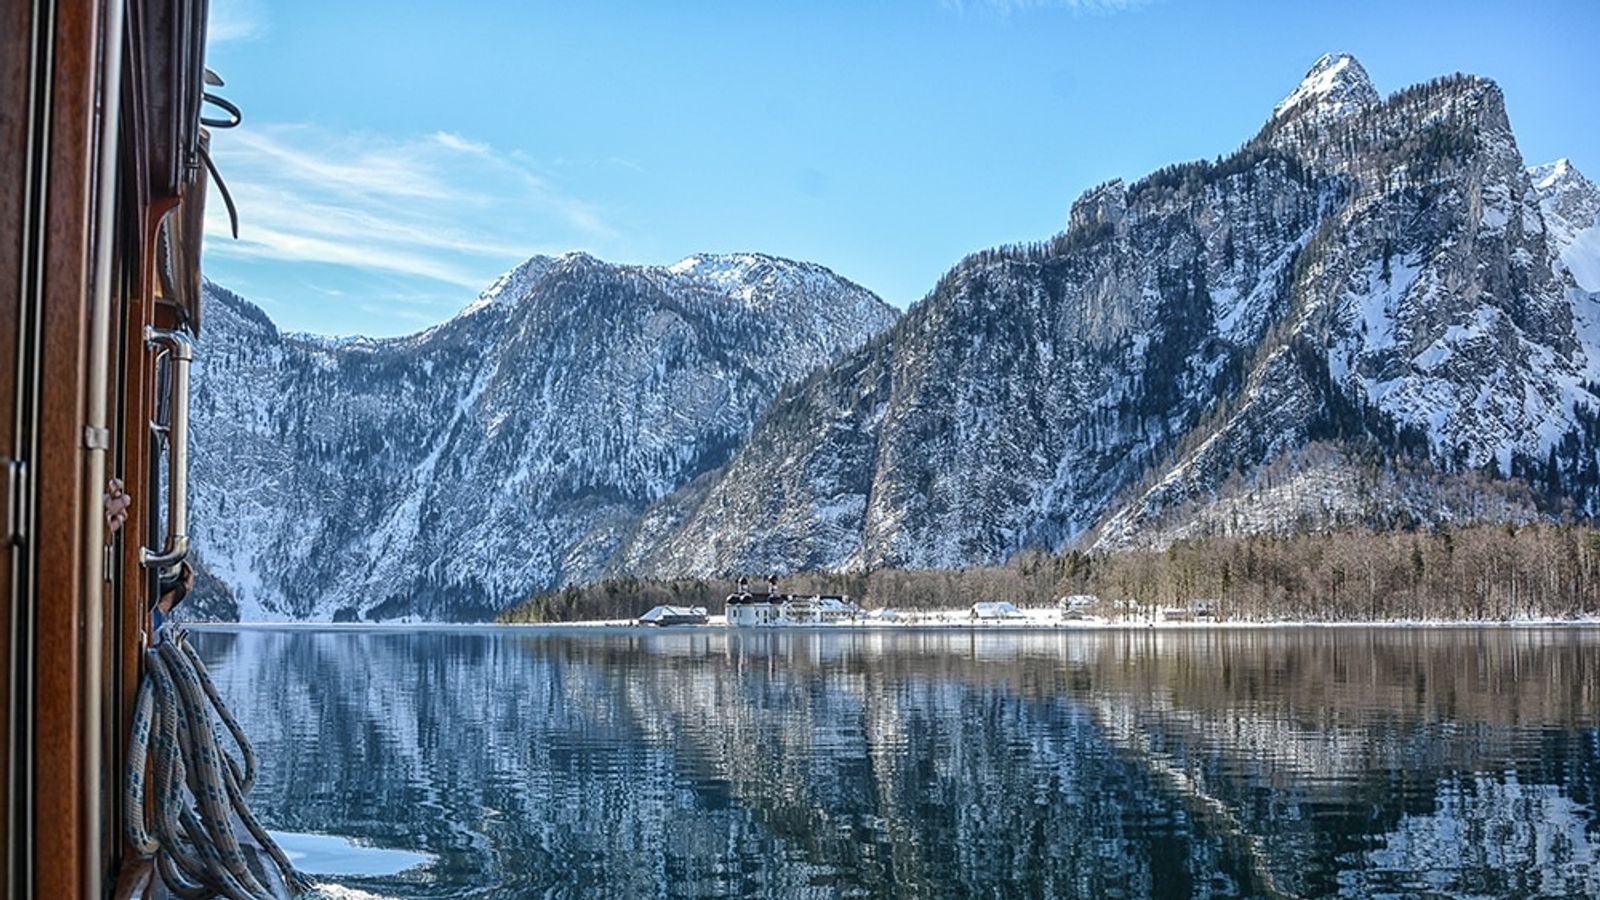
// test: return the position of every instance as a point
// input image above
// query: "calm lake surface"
(806, 763)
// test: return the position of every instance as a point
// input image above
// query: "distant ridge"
(505, 451)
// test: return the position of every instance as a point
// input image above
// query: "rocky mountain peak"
(818, 300)
(741, 272)
(1566, 192)
(514, 283)
(1551, 174)
(1335, 86)
(1103, 206)
(1570, 204)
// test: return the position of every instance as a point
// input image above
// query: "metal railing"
(175, 344)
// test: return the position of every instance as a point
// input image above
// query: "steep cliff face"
(446, 474)
(1372, 276)
(1030, 386)
(1428, 313)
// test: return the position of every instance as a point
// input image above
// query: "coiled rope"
(199, 788)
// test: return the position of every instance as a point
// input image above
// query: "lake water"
(813, 763)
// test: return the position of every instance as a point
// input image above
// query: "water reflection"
(933, 764)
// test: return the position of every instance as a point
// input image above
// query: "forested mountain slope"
(1378, 278)
(445, 474)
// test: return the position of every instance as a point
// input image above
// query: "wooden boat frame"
(102, 191)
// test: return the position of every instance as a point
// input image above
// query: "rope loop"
(199, 791)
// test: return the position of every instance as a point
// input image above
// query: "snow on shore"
(1039, 618)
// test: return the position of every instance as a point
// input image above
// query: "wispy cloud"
(441, 207)
(457, 142)
(1013, 7)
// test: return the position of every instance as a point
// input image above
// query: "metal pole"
(96, 442)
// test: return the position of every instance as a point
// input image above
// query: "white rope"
(199, 788)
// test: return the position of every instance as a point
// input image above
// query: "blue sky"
(397, 156)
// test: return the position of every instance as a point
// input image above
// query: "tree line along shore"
(1469, 573)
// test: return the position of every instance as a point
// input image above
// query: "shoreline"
(1032, 624)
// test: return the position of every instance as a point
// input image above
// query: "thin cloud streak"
(269, 243)
(440, 207)
(456, 142)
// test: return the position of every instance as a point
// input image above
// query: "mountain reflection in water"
(620, 763)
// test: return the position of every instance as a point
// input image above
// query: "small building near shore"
(996, 611)
(745, 609)
(675, 615)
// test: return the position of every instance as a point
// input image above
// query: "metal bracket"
(14, 479)
(176, 345)
(96, 438)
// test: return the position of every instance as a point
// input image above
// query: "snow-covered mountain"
(1431, 315)
(1372, 313)
(1337, 86)
(1365, 314)
(1571, 206)
(511, 449)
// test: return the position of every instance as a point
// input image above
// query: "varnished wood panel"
(16, 22)
(59, 801)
